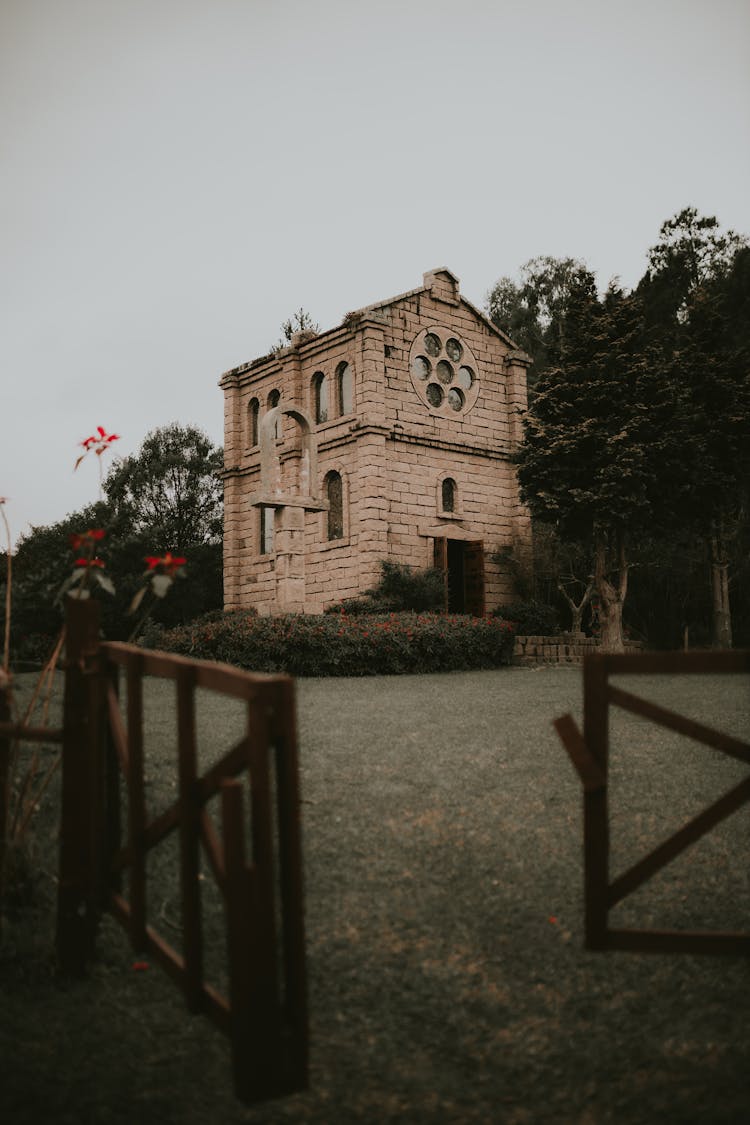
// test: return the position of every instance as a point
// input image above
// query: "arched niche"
(271, 489)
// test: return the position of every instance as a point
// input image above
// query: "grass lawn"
(448, 983)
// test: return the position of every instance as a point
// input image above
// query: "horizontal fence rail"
(589, 754)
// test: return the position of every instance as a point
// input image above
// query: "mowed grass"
(448, 982)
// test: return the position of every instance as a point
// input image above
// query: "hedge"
(340, 645)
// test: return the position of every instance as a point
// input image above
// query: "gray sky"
(178, 176)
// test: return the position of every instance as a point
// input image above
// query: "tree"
(533, 312)
(170, 490)
(598, 460)
(691, 253)
(697, 295)
(299, 322)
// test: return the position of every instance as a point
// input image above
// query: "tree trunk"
(576, 611)
(721, 618)
(611, 593)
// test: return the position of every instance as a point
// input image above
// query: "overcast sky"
(178, 176)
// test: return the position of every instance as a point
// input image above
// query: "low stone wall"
(567, 648)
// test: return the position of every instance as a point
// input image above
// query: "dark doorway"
(456, 577)
(462, 562)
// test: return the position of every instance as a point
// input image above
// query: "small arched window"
(320, 390)
(448, 494)
(253, 412)
(345, 388)
(274, 399)
(334, 491)
(267, 521)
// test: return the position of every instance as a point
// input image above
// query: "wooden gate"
(589, 753)
(265, 1012)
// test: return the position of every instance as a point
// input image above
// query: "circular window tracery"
(443, 372)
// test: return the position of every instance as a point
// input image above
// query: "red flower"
(100, 440)
(167, 564)
(83, 539)
(89, 562)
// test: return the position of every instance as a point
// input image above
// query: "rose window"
(443, 372)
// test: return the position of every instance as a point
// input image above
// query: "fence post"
(76, 913)
(595, 815)
(5, 749)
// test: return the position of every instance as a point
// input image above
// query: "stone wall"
(567, 648)
(392, 449)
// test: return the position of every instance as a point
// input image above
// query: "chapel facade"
(391, 437)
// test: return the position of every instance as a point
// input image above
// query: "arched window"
(274, 399)
(253, 411)
(448, 494)
(334, 492)
(345, 388)
(267, 519)
(320, 390)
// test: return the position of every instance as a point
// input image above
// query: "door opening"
(462, 563)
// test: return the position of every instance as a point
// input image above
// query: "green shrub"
(400, 589)
(340, 645)
(531, 619)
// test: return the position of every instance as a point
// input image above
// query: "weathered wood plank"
(734, 747)
(677, 843)
(586, 767)
(189, 810)
(595, 812)
(136, 802)
(117, 730)
(25, 733)
(76, 914)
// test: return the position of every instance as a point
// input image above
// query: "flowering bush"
(340, 645)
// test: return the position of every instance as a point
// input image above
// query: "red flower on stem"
(166, 564)
(88, 562)
(86, 538)
(98, 443)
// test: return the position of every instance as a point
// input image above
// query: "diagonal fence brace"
(586, 766)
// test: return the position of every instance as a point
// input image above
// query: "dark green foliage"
(598, 449)
(170, 490)
(533, 312)
(401, 588)
(339, 645)
(44, 559)
(531, 619)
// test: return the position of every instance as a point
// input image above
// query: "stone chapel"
(387, 437)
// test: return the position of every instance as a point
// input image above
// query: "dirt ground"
(447, 976)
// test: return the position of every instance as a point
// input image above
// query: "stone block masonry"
(407, 416)
(567, 648)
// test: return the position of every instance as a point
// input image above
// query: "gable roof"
(372, 310)
(426, 287)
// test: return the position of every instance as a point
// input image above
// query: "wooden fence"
(589, 753)
(265, 1012)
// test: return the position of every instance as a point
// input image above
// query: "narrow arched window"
(320, 389)
(253, 412)
(345, 388)
(334, 489)
(267, 521)
(448, 494)
(274, 399)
